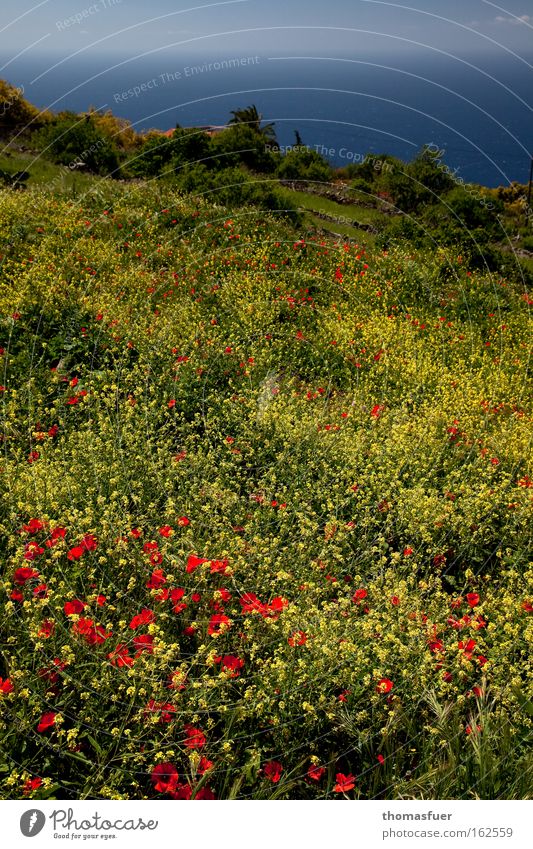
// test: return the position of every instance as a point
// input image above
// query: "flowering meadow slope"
(265, 510)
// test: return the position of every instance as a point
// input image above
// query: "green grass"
(46, 174)
(353, 212)
(338, 229)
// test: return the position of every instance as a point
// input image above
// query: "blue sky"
(199, 27)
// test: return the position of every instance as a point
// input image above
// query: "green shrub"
(304, 164)
(71, 138)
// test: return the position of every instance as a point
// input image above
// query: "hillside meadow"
(266, 509)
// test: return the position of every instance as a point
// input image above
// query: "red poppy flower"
(176, 681)
(93, 634)
(33, 526)
(384, 685)
(376, 411)
(203, 765)
(277, 605)
(55, 535)
(144, 642)
(250, 603)
(47, 721)
(467, 648)
(165, 777)
(166, 710)
(232, 663)
(395, 601)
(472, 599)
(47, 629)
(218, 624)
(527, 606)
(101, 600)
(175, 596)
(299, 638)
(24, 574)
(315, 773)
(156, 580)
(32, 550)
(6, 686)
(89, 542)
(166, 531)
(183, 521)
(33, 456)
(136, 533)
(224, 594)
(218, 566)
(381, 759)
(193, 561)
(344, 783)
(31, 784)
(194, 737)
(74, 606)
(156, 558)
(41, 591)
(359, 595)
(120, 656)
(146, 617)
(273, 770)
(408, 551)
(182, 792)
(75, 553)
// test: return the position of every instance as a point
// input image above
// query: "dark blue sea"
(479, 112)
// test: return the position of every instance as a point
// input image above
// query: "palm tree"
(253, 119)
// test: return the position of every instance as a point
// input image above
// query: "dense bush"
(71, 138)
(234, 187)
(304, 164)
(17, 115)
(241, 144)
(419, 183)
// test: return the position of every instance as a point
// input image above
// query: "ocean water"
(478, 112)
